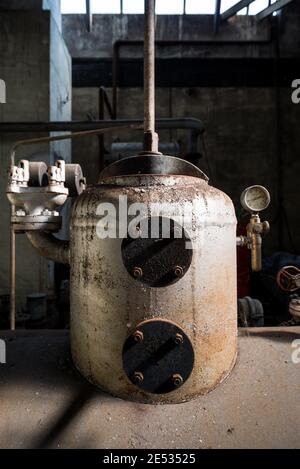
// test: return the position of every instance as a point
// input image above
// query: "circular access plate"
(161, 255)
(158, 357)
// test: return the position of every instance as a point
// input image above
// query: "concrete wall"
(240, 123)
(36, 67)
(52, 5)
(107, 29)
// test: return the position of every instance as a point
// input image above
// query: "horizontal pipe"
(49, 246)
(136, 147)
(56, 138)
(241, 241)
(76, 126)
(195, 43)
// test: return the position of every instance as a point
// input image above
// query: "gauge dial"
(255, 199)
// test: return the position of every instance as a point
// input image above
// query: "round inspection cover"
(158, 356)
(160, 254)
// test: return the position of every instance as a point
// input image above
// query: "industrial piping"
(150, 136)
(48, 245)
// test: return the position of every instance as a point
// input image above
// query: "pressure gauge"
(255, 199)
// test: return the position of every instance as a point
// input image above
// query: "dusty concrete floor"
(45, 403)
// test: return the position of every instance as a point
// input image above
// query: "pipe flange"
(161, 360)
(36, 223)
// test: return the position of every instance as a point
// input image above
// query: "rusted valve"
(288, 278)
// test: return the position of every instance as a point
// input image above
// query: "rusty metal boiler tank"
(152, 255)
(153, 318)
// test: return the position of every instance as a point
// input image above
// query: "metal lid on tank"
(152, 164)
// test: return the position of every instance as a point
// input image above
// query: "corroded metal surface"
(157, 261)
(151, 164)
(44, 402)
(107, 302)
(288, 278)
(158, 356)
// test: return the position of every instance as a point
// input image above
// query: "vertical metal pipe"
(278, 139)
(12, 315)
(150, 136)
(101, 137)
(149, 66)
(89, 16)
(12, 274)
(217, 16)
(115, 79)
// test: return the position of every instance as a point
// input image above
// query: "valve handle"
(288, 278)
